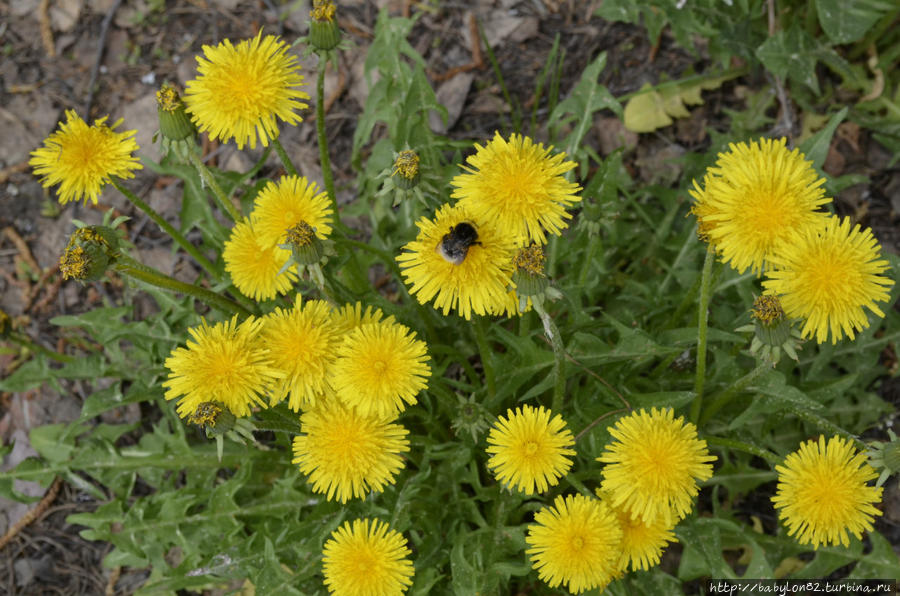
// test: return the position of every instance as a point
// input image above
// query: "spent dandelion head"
(406, 169)
(82, 159)
(242, 91)
(366, 558)
(174, 122)
(324, 33)
(255, 268)
(282, 205)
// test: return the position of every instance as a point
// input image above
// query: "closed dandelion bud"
(5, 324)
(771, 326)
(323, 30)
(90, 251)
(305, 246)
(471, 417)
(529, 271)
(213, 417)
(406, 170)
(174, 123)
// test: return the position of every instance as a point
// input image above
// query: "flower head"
(282, 205)
(225, 363)
(350, 316)
(642, 544)
(256, 269)
(472, 277)
(756, 197)
(529, 450)
(301, 341)
(576, 542)
(81, 159)
(346, 454)
(519, 185)
(827, 275)
(242, 90)
(823, 492)
(653, 465)
(366, 558)
(380, 367)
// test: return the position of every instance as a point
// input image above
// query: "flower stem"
(327, 175)
(723, 397)
(702, 320)
(486, 355)
(26, 342)
(139, 271)
(745, 447)
(210, 180)
(285, 160)
(559, 354)
(169, 229)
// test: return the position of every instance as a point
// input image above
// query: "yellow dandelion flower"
(653, 465)
(755, 198)
(225, 363)
(241, 91)
(642, 544)
(519, 185)
(282, 205)
(345, 454)
(302, 343)
(350, 316)
(823, 493)
(576, 543)
(367, 558)
(466, 274)
(827, 275)
(380, 367)
(529, 450)
(81, 159)
(254, 269)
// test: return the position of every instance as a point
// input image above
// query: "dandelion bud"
(772, 328)
(174, 123)
(213, 417)
(305, 246)
(406, 170)
(529, 271)
(90, 251)
(323, 30)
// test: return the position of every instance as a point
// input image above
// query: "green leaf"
(790, 54)
(846, 21)
(816, 147)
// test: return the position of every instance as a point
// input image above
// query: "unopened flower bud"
(305, 246)
(529, 271)
(406, 170)
(89, 253)
(213, 417)
(174, 123)
(324, 33)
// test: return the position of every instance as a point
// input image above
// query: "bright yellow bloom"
(642, 544)
(282, 205)
(653, 465)
(367, 558)
(254, 269)
(350, 316)
(225, 363)
(519, 186)
(827, 275)
(81, 159)
(576, 543)
(345, 454)
(476, 284)
(302, 343)
(755, 198)
(529, 451)
(241, 91)
(380, 367)
(823, 492)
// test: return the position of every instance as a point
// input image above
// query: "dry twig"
(33, 513)
(46, 31)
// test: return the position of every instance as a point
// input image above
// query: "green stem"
(210, 181)
(702, 320)
(559, 354)
(285, 160)
(177, 236)
(745, 447)
(26, 342)
(486, 355)
(139, 271)
(720, 399)
(327, 175)
(588, 259)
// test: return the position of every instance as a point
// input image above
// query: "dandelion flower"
(350, 316)
(366, 558)
(345, 454)
(827, 275)
(284, 204)
(81, 159)
(653, 465)
(576, 543)
(642, 544)
(255, 269)
(380, 367)
(225, 363)
(755, 198)
(529, 450)
(241, 91)
(519, 185)
(302, 343)
(823, 492)
(476, 284)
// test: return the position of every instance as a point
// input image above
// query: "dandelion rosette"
(282, 205)
(477, 284)
(823, 492)
(529, 450)
(827, 275)
(225, 363)
(576, 542)
(755, 198)
(256, 269)
(345, 454)
(242, 91)
(519, 185)
(366, 558)
(81, 159)
(653, 465)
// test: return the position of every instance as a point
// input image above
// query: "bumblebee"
(454, 246)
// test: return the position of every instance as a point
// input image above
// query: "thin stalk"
(285, 160)
(169, 229)
(723, 397)
(327, 175)
(26, 342)
(702, 321)
(745, 447)
(486, 355)
(559, 355)
(210, 181)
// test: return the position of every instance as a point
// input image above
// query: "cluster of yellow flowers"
(759, 209)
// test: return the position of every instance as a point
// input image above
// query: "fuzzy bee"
(454, 246)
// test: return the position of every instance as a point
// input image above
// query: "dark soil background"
(108, 57)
